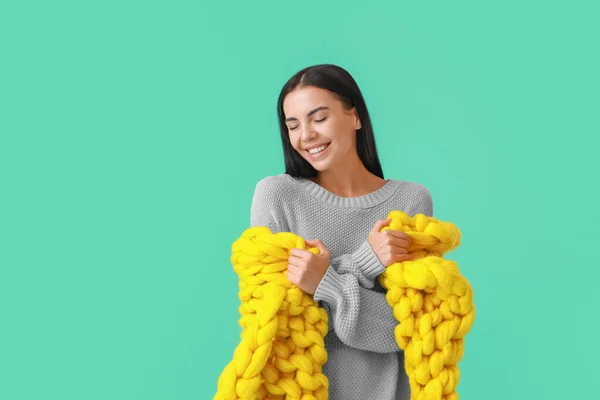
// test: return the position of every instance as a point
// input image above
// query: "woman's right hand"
(391, 245)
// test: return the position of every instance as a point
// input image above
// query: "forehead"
(303, 100)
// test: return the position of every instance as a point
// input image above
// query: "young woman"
(334, 192)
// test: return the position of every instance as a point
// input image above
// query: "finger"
(380, 224)
(293, 269)
(299, 253)
(318, 243)
(295, 261)
(296, 272)
(312, 243)
(399, 243)
(292, 277)
(402, 257)
(399, 249)
(398, 234)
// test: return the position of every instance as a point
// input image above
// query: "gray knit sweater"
(365, 362)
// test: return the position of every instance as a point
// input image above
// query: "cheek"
(294, 140)
(337, 131)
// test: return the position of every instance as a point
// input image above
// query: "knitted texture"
(433, 303)
(363, 357)
(282, 349)
(282, 352)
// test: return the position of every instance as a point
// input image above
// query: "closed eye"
(292, 128)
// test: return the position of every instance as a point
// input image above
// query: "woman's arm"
(364, 263)
(360, 317)
(266, 209)
(423, 203)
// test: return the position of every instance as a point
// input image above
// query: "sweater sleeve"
(266, 207)
(362, 263)
(360, 317)
(423, 202)
(266, 210)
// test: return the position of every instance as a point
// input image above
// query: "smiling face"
(315, 118)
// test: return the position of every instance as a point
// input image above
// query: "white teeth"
(317, 150)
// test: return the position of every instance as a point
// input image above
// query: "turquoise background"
(133, 133)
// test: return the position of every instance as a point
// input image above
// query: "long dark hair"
(338, 81)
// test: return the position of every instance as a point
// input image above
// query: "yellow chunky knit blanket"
(281, 352)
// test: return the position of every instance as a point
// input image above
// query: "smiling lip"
(315, 146)
(318, 154)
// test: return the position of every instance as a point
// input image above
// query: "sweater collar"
(366, 201)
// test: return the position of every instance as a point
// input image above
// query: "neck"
(349, 178)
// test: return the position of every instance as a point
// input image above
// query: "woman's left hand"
(305, 269)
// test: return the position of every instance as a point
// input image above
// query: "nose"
(308, 133)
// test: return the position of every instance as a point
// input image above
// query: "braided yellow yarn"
(433, 303)
(281, 353)
(282, 347)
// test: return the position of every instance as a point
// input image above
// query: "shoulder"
(417, 198)
(268, 202)
(409, 187)
(274, 187)
(417, 188)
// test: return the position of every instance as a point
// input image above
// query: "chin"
(320, 166)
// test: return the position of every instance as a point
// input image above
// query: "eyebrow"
(309, 114)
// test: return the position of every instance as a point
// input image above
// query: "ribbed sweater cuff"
(368, 262)
(330, 287)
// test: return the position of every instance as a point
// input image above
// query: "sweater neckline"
(365, 201)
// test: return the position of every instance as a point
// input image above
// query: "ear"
(357, 124)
